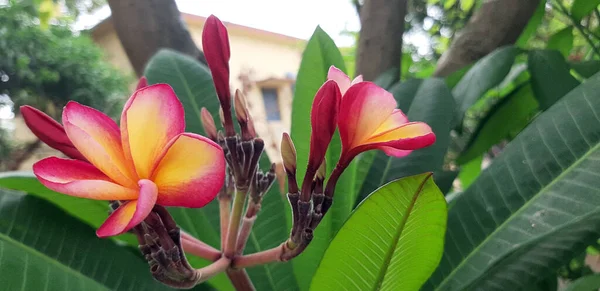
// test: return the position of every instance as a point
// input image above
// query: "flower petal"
(150, 119)
(190, 173)
(97, 137)
(142, 83)
(407, 130)
(396, 119)
(342, 80)
(131, 213)
(390, 151)
(362, 111)
(81, 179)
(323, 119)
(49, 131)
(358, 79)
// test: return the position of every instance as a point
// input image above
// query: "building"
(263, 64)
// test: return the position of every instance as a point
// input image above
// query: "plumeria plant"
(149, 162)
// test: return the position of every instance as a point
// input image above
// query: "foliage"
(529, 111)
(46, 68)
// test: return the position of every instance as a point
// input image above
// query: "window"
(271, 104)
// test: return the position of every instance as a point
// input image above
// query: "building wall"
(258, 55)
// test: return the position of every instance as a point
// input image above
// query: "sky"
(289, 17)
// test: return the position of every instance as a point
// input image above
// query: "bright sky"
(296, 18)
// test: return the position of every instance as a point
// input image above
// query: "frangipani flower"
(368, 119)
(342, 79)
(148, 160)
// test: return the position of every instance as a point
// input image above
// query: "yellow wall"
(267, 55)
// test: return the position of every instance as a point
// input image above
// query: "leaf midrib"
(516, 214)
(47, 258)
(399, 231)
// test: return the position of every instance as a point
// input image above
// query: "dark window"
(271, 104)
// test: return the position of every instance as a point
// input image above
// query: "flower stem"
(198, 248)
(224, 210)
(234, 222)
(213, 269)
(260, 258)
(240, 280)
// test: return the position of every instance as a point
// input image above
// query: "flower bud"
(49, 131)
(208, 123)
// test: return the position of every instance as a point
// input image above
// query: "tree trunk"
(380, 41)
(495, 24)
(146, 26)
(19, 156)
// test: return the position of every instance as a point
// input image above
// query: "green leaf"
(483, 76)
(193, 85)
(550, 77)
(534, 208)
(92, 212)
(388, 78)
(43, 248)
(532, 25)
(511, 114)
(587, 283)
(466, 5)
(586, 69)
(319, 55)
(470, 171)
(582, 8)
(433, 104)
(449, 3)
(455, 77)
(562, 41)
(392, 241)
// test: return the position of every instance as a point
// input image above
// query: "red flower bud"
(49, 131)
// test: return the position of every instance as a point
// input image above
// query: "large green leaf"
(388, 78)
(470, 171)
(587, 283)
(483, 76)
(534, 208)
(509, 115)
(43, 248)
(192, 83)
(550, 77)
(433, 104)
(392, 241)
(582, 8)
(562, 41)
(319, 55)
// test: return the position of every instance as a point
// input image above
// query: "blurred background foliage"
(45, 63)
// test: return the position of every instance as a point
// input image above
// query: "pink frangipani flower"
(368, 119)
(148, 160)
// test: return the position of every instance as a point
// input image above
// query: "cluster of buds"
(146, 164)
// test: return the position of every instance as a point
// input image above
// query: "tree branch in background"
(380, 41)
(146, 26)
(19, 156)
(495, 24)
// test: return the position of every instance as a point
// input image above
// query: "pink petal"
(356, 80)
(215, 44)
(143, 82)
(362, 111)
(131, 213)
(151, 118)
(190, 173)
(342, 80)
(49, 131)
(97, 137)
(390, 151)
(323, 122)
(80, 179)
